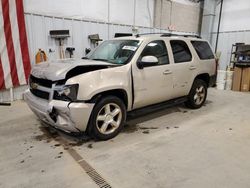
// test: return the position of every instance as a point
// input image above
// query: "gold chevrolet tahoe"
(94, 94)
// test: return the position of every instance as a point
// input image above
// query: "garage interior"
(165, 146)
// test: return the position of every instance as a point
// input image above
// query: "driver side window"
(158, 49)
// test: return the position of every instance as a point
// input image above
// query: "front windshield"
(115, 51)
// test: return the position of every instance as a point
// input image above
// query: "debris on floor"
(146, 132)
(90, 146)
(146, 128)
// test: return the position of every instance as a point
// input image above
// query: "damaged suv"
(94, 94)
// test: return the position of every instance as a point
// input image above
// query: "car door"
(153, 84)
(184, 67)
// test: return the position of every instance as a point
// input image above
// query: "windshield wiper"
(98, 59)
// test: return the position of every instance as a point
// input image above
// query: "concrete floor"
(175, 147)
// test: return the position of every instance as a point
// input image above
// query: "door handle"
(167, 72)
(192, 67)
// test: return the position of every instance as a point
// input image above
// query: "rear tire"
(107, 118)
(197, 95)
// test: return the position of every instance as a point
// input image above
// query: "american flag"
(14, 55)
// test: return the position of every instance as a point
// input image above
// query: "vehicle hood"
(60, 69)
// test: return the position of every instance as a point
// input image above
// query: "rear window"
(181, 51)
(203, 50)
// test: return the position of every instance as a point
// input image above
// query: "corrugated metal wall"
(38, 27)
(130, 12)
(234, 27)
(226, 39)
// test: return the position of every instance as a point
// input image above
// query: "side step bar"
(156, 107)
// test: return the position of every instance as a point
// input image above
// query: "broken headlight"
(66, 93)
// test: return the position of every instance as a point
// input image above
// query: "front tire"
(198, 94)
(108, 118)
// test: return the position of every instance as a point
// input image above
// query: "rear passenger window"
(203, 49)
(181, 51)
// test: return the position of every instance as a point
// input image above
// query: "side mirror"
(147, 61)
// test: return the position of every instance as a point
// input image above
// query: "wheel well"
(120, 93)
(205, 77)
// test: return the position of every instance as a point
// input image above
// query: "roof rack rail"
(180, 35)
(170, 35)
(139, 34)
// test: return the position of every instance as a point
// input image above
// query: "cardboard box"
(237, 79)
(245, 80)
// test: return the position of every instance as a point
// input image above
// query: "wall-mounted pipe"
(150, 15)
(202, 4)
(171, 12)
(134, 13)
(218, 29)
(109, 19)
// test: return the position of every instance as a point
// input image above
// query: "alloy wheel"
(109, 118)
(200, 94)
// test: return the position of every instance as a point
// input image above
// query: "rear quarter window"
(203, 50)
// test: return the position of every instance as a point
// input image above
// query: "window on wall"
(203, 50)
(180, 51)
(158, 49)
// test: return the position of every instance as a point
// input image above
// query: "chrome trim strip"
(51, 94)
(42, 88)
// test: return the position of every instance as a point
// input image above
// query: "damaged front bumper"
(64, 115)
